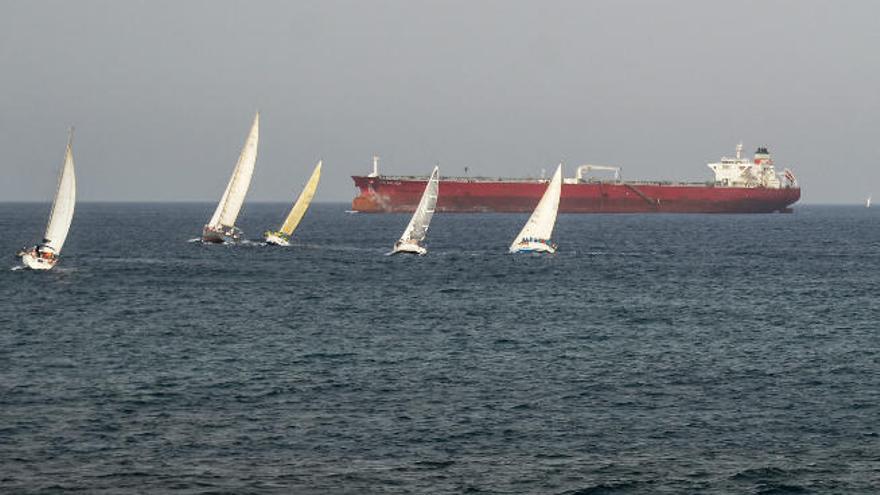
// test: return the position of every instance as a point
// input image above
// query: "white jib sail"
(418, 224)
(62, 208)
(233, 197)
(540, 224)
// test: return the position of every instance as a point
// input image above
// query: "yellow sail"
(302, 203)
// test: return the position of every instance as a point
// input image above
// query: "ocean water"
(652, 354)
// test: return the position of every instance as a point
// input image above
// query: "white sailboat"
(45, 255)
(221, 228)
(868, 202)
(414, 235)
(535, 235)
(282, 237)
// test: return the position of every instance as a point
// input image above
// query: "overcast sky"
(162, 92)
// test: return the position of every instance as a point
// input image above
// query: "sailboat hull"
(229, 235)
(276, 240)
(533, 247)
(37, 263)
(409, 248)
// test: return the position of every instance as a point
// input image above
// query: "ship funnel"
(375, 172)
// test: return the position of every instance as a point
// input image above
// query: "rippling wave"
(652, 354)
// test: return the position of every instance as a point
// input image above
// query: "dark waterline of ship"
(653, 354)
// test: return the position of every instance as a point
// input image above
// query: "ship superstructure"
(757, 172)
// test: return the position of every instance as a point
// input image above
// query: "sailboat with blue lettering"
(535, 235)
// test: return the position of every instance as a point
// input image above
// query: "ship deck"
(531, 180)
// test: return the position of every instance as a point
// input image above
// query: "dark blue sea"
(652, 354)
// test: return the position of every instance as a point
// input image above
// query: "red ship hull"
(399, 194)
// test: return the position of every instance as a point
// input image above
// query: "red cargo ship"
(740, 186)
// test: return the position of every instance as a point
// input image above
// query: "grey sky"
(162, 93)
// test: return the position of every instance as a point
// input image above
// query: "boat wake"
(57, 269)
(243, 242)
(64, 269)
(142, 261)
(341, 249)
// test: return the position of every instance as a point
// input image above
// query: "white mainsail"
(233, 197)
(62, 208)
(302, 203)
(418, 224)
(540, 224)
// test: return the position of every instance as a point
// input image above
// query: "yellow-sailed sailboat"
(282, 237)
